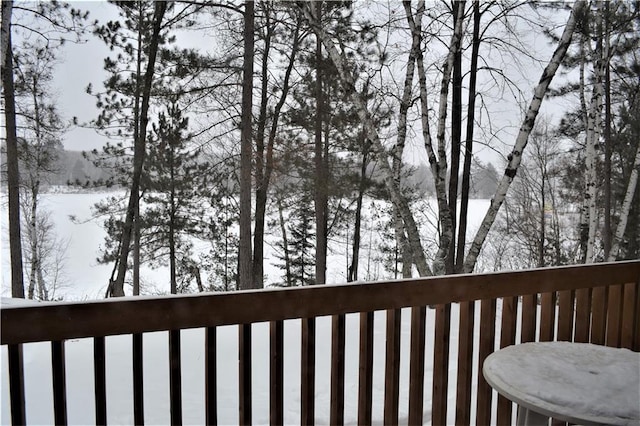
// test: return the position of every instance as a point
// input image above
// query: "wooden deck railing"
(597, 303)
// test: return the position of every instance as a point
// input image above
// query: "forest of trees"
(290, 115)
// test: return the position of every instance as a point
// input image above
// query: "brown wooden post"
(16, 384)
(138, 382)
(276, 370)
(486, 348)
(336, 412)
(614, 316)
(465, 363)
(244, 376)
(599, 315)
(442, 336)
(175, 378)
(100, 380)
(507, 338)
(308, 372)
(365, 376)
(211, 377)
(547, 316)
(416, 365)
(392, 367)
(59, 382)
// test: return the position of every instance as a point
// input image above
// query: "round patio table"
(578, 383)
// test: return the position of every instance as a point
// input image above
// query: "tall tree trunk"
(13, 173)
(285, 244)
(456, 136)
(261, 185)
(542, 236)
(263, 179)
(584, 209)
(117, 285)
(136, 132)
(397, 198)
(34, 181)
(244, 254)
(523, 135)
(626, 207)
(468, 145)
(405, 102)
(33, 240)
(172, 220)
(593, 137)
(320, 168)
(606, 231)
(353, 268)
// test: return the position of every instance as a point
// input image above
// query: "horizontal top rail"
(67, 320)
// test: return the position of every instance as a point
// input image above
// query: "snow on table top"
(577, 382)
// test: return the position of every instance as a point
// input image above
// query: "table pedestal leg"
(528, 417)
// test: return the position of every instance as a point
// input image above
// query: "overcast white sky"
(82, 64)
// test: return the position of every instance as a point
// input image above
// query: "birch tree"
(349, 82)
(520, 144)
(626, 206)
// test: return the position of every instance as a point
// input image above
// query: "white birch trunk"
(626, 206)
(438, 163)
(521, 140)
(405, 103)
(594, 122)
(397, 198)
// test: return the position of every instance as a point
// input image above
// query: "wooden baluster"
(442, 337)
(636, 335)
(465, 363)
(276, 369)
(138, 383)
(392, 367)
(529, 318)
(175, 378)
(486, 348)
(547, 316)
(336, 413)
(614, 316)
(628, 300)
(308, 372)
(507, 338)
(100, 380)
(583, 315)
(59, 383)
(416, 365)
(599, 315)
(211, 377)
(244, 376)
(565, 316)
(16, 384)
(365, 376)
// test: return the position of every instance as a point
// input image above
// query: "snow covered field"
(83, 278)
(86, 280)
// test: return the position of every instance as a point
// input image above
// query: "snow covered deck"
(429, 359)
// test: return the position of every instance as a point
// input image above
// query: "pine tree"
(299, 247)
(170, 202)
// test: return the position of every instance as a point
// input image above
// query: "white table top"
(575, 382)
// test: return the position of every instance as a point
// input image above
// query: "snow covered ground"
(86, 280)
(83, 278)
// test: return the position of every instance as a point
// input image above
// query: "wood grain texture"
(59, 321)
